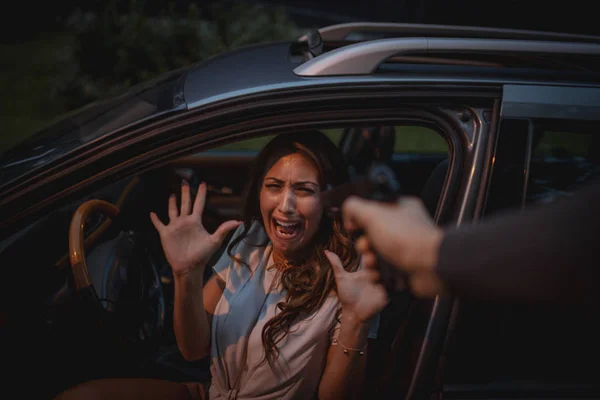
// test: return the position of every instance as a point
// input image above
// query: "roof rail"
(340, 32)
(363, 58)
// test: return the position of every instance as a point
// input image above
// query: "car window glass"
(410, 139)
(417, 151)
(419, 158)
(416, 139)
(254, 145)
(563, 158)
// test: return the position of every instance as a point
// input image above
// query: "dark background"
(56, 56)
(23, 20)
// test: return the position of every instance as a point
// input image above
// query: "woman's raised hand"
(185, 241)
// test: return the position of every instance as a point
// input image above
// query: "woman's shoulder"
(246, 247)
(249, 247)
(254, 237)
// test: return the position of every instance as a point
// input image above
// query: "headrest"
(362, 146)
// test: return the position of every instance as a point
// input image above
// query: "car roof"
(355, 52)
(359, 31)
(360, 48)
(250, 69)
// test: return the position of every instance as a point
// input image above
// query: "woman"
(287, 311)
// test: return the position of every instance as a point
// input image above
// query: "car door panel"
(547, 147)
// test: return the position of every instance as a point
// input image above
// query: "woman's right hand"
(185, 241)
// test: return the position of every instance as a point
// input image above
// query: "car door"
(419, 328)
(547, 148)
(462, 122)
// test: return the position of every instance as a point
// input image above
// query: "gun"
(380, 184)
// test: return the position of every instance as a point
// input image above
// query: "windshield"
(91, 122)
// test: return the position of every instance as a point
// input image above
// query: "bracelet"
(360, 351)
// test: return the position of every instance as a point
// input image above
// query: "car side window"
(564, 157)
(256, 144)
(421, 140)
(409, 139)
(417, 151)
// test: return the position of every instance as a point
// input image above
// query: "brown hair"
(309, 281)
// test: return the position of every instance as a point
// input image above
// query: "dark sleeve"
(542, 254)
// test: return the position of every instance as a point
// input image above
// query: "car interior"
(131, 333)
(46, 321)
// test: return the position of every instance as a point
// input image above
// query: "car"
(473, 120)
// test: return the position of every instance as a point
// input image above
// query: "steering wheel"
(137, 308)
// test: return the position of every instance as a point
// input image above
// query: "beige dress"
(246, 300)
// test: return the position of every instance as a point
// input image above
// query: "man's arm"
(545, 253)
(542, 254)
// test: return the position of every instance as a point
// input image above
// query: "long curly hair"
(307, 281)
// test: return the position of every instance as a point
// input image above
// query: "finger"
(185, 198)
(336, 263)
(349, 207)
(356, 213)
(409, 201)
(223, 229)
(369, 260)
(156, 222)
(363, 245)
(172, 208)
(200, 200)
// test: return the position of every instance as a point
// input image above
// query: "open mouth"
(287, 230)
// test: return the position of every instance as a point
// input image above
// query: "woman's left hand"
(361, 293)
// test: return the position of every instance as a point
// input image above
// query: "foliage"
(114, 49)
(28, 72)
(110, 46)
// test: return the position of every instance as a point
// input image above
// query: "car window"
(256, 144)
(417, 151)
(414, 139)
(410, 139)
(563, 158)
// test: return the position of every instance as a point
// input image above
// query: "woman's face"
(289, 203)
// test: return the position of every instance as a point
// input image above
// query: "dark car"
(473, 120)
